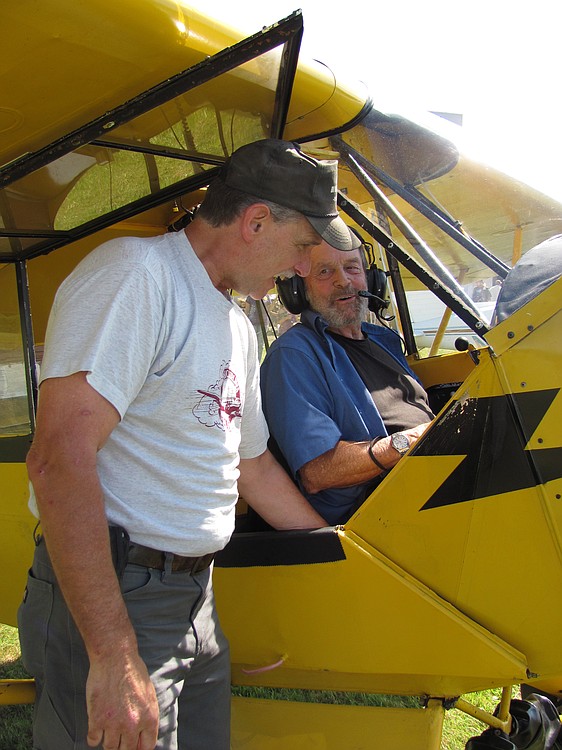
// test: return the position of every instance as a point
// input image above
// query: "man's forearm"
(348, 464)
(73, 424)
(345, 465)
(76, 533)
(120, 697)
(268, 489)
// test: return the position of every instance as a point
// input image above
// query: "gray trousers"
(179, 639)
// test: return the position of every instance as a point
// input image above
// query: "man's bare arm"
(73, 423)
(348, 463)
(267, 488)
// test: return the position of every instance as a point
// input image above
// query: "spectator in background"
(495, 289)
(481, 293)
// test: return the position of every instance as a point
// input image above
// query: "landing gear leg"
(535, 726)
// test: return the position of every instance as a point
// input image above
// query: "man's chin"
(339, 319)
(260, 293)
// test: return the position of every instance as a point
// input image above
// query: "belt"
(153, 558)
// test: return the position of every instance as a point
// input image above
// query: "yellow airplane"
(114, 119)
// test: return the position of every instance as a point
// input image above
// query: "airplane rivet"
(510, 335)
(540, 440)
(523, 385)
(530, 328)
(558, 497)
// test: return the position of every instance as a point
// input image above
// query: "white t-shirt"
(178, 361)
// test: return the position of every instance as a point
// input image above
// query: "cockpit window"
(14, 407)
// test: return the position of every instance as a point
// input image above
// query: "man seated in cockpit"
(341, 402)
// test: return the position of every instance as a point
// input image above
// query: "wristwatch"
(400, 442)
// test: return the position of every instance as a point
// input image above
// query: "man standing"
(341, 402)
(481, 293)
(148, 427)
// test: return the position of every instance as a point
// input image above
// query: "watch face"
(400, 442)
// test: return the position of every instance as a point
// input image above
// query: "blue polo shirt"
(313, 397)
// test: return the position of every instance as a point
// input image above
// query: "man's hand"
(415, 433)
(122, 707)
(387, 455)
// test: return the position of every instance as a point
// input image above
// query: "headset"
(293, 295)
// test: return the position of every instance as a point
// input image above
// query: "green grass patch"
(15, 721)
(459, 727)
(327, 696)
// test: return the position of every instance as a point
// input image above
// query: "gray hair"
(223, 204)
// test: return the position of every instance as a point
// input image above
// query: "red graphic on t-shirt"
(221, 403)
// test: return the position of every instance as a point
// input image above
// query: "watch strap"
(372, 455)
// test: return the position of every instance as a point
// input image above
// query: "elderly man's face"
(332, 285)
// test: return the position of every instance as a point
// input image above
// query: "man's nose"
(340, 277)
(302, 268)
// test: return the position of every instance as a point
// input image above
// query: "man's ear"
(254, 219)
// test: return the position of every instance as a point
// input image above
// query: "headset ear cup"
(376, 284)
(292, 294)
(377, 281)
(376, 277)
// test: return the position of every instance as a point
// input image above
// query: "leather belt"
(153, 558)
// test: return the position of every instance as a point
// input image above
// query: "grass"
(459, 727)
(327, 696)
(15, 721)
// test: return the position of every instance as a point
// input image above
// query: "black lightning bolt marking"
(491, 433)
(246, 550)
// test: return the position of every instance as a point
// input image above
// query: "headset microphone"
(383, 302)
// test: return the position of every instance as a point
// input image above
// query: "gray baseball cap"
(280, 172)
